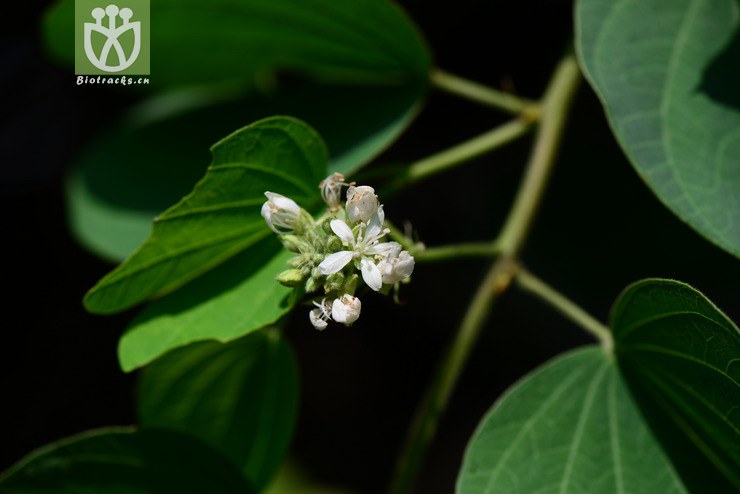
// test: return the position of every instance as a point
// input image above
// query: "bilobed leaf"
(241, 398)
(135, 171)
(666, 73)
(235, 298)
(673, 342)
(124, 461)
(570, 426)
(221, 217)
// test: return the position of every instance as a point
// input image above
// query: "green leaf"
(149, 161)
(221, 217)
(235, 298)
(195, 42)
(240, 397)
(570, 426)
(362, 68)
(658, 68)
(124, 461)
(673, 342)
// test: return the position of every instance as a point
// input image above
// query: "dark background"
(599, 229)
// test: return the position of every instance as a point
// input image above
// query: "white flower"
(395, 268)
(320, 315)
(346, 309)
(280, 212)
(362, 203)
(331, 190)
(364, 246)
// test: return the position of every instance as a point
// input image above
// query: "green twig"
(481, 94)
(456, 251)
(557, 102)
(555, 108)
(438, 394)
(568, 308)
(468, 150)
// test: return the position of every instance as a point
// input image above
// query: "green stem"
(468, 150)
(568, 308)
(455, 251)
(480, 94)
(438, 394)
(555, 108)
(557, 102)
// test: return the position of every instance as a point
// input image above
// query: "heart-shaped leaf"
(666, 71)
(570, 426)
(240, 397)
(674, 343)
(124, 461)
(221, 217)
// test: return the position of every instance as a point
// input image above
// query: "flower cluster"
(335, 251)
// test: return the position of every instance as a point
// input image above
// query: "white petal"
(371, 274)
(386, 249)
(315, 317)
(375, 226)
(334, 262)
(361, 203)
(346, 309)
(342, 231)
(338, 311)
(283, 203)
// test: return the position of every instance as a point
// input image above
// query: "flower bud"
(291, 278)
(362, 203)
(280, 212)
(313, 283)
(292, 243)
(334, 282)
(334, 244)
(346, 309)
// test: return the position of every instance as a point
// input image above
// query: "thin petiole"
(456, 251)
(468, 150)
(480, 93)
(530, 283)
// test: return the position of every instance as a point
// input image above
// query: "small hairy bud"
(313, 283)
(292, 243)
(291, 278)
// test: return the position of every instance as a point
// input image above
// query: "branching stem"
(555, 109)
